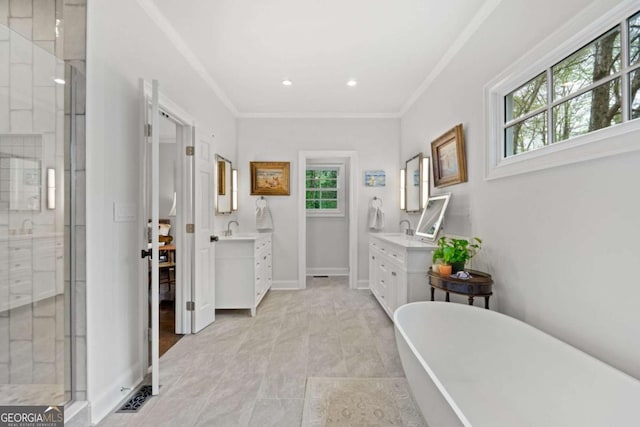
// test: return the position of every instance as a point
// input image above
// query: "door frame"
(184, 137)
(353, 169)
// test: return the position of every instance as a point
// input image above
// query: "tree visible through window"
(580, 94)
(323, 189)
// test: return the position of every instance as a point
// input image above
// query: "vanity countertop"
(243, 236)
(401, 239)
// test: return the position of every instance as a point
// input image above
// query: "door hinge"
(149, 334)
(148, 130)
(191, 306)
(191, 228)
(190, 150)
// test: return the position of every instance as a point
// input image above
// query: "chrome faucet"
(229, 232)
(409, 231)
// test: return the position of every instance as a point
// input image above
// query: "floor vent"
(137, 400)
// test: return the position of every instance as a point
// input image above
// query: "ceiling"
(245, 49)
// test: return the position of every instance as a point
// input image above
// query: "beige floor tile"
(283, 386)
(192, 385)
(276, 413)
(174, 412)
(243, 371)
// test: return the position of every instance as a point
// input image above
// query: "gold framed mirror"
(223, 188)
(416, 188)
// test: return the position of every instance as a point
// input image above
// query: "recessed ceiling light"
(59, 81)
(352, 83)
(287, 82)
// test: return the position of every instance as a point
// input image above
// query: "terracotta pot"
(445, 270)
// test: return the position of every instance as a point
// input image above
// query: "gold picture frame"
(269, 178)
(449, 158)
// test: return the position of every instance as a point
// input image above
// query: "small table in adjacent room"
(479, 285)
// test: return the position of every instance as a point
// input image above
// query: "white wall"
(376, 142)
(124, 45)
(561, 243)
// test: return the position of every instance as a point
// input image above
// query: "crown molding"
(326, 115)
(483, 13)
(165, 26)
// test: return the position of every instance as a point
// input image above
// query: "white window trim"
(325, 213)
(553, 49)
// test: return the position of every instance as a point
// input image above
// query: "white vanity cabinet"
(31, 268)
(398, 269)
(243, 271)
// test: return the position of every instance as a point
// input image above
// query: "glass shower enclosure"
(41, 301)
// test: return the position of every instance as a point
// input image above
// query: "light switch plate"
(124, 212)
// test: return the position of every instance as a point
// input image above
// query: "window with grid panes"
(593, 88)
(324, 190)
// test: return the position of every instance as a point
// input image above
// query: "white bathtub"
(468, 366)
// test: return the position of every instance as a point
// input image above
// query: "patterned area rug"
(359, 402)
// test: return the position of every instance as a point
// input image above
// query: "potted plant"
(454, 253)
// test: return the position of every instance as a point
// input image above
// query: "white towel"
(263, 218)
(376, 218)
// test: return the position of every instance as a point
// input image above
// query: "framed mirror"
(432, 217)
(416, 183)
(224, 188)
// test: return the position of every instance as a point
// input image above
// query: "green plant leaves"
(453, 251)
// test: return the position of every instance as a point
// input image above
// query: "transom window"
(594, 88)
(325, 190)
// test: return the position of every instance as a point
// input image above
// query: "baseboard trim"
(109, 400)
(328, 271)
(285, 285)
(363, 284)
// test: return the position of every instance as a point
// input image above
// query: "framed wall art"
(449, 158)
(269, 178)
(375, 178)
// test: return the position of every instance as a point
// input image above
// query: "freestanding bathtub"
(468, 366)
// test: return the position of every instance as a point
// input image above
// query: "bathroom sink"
(394, 235)
(241, 236)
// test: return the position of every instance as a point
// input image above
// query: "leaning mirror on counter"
(224, 188)
(433, 216)
(417, 183)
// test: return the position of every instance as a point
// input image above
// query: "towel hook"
(376, 202)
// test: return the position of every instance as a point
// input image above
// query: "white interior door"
(150, 157)
(204, 259)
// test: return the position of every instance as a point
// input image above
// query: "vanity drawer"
(396, 255)
(262, 244)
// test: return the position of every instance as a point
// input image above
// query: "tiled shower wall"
(32, 104)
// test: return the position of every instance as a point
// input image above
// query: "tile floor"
(243, 371)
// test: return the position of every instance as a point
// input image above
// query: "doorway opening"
(165, 312)
(327, 210)
(169, 156)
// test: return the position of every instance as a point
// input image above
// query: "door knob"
(213, 238)
(144, 254)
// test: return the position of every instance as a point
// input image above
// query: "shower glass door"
(37, 283)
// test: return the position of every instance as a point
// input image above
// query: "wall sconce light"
(234, 189)
(403, 180)
(51, 188)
